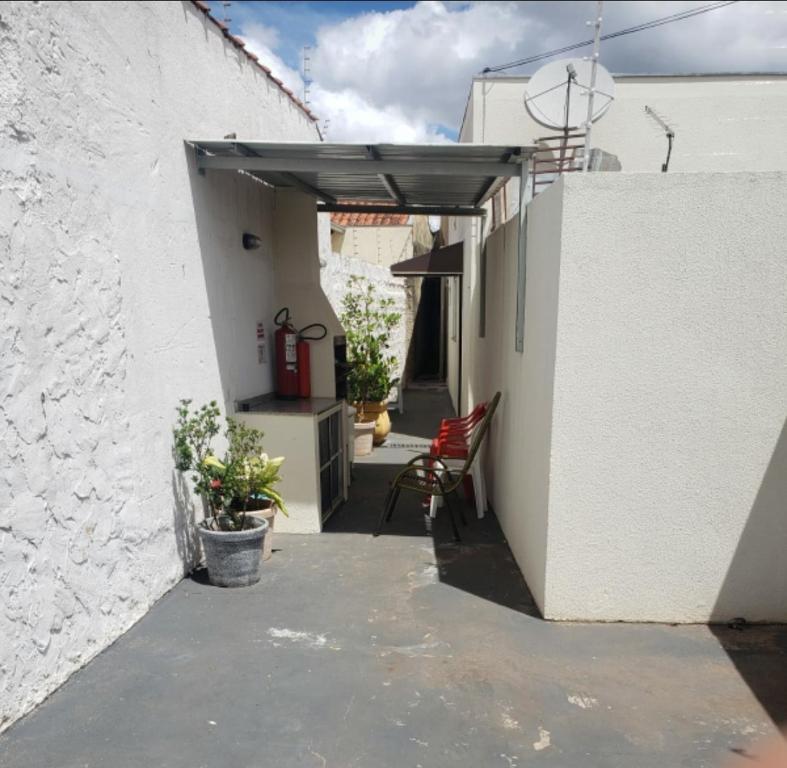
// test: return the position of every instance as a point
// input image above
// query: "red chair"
(452, 442)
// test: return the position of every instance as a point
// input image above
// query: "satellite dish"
(557, 94)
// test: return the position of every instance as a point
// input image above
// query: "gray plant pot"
(233, 557)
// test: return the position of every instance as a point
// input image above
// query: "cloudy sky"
(400, 71)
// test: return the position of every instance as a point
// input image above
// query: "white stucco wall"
(335, 276)
(638, 464)
(669, 449)
(722, 123)
(124, 288)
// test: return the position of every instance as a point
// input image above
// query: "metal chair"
(428, 474)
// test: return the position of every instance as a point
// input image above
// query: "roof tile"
(238, 43)
(358, 219)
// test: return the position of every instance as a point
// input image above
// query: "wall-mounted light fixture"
(250, 242)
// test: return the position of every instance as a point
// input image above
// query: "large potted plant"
(232, 537)
(256, 493)
(368, 323)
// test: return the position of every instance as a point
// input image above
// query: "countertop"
(308, 406)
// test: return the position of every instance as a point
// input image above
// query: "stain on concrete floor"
(405, 650)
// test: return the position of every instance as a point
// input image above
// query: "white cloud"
(354, 119)
(400, 75)
(262, 41)
(349, 115)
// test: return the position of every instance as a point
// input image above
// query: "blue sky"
(396, 71)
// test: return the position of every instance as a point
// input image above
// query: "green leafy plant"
(258, 482)
(368, 324)
(229, 485)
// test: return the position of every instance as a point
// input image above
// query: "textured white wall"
(721, 123)
(124, 288)
(669, 450)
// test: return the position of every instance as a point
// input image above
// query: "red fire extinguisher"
(286, 356)
(304, 362)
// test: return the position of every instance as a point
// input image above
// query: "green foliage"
(368, 323)
(229, 485)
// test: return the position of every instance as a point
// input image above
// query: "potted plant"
(256, 493)
(368, 323)
(232, 538)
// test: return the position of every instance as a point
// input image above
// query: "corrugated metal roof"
(410, 176)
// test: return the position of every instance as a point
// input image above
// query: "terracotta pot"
(378, 412)
(364, 437)
(267, 513)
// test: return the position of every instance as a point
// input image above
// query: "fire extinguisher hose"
(314, 336)
(283, 311)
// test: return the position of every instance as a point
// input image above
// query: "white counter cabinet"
(310, 434)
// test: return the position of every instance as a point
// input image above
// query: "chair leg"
(433, 506)
(479, 487)
(394, 499)
(461, 508)
(451, 514)
(387, 509)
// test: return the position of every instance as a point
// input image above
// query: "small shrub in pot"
(231, 537)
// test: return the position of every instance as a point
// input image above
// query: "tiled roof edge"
(240, 45)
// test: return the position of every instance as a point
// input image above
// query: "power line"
(628, 31)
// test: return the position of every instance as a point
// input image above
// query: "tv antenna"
(668, 132)
(226, 11)
(593, 75)
(307, 71)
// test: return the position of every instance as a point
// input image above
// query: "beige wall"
(721, 123)
(297, 281)
(639, 462)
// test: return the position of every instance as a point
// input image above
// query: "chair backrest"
(479, 433)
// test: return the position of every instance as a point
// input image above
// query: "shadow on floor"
(482, 564)
(759, 560)
(755, 650)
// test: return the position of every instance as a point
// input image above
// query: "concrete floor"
(405, 650)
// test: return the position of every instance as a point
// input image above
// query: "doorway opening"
(428, 343)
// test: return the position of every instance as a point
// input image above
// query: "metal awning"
(429, 179)
(440, 261)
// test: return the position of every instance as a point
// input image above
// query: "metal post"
(593, 69)
(521, 277)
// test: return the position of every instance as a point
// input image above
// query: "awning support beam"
(423, 210)
(308, 188)
(328, 165)
(387, 180)
(246, 151)
(490, 184)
